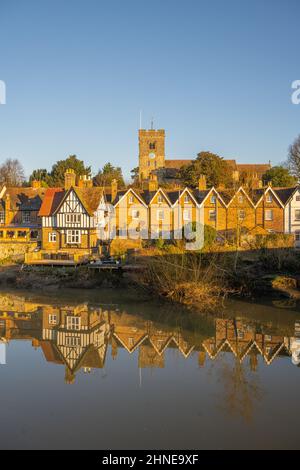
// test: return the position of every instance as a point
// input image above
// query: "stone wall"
(15, 251)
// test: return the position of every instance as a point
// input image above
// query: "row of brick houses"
(78, 217)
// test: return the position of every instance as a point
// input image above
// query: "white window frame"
(241, 199)
(242, 214)
(131, 199)
(26, 217)
(52, 237)
(269, 214)
(2, 217)
(186, 199)
(135, 214)
(73, 218)
(73, 341)
(212, 215)
(160, 215)
(269, 198)
(73, 237)
(186, 214)
(52, 319)
(160, 199)
(297, 218)
(73, 322)
(213, 199)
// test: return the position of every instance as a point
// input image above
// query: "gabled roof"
(177, 163)
(52, 200)
(285, 194)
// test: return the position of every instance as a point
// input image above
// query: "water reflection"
(80, 336)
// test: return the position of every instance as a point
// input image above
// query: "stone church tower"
(151, 151)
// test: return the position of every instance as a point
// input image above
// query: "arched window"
(152, 146)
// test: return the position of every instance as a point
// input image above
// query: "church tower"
(151, 151)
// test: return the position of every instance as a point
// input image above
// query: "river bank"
(196, 281)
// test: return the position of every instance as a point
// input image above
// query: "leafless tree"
(12, 173)
(294, 158)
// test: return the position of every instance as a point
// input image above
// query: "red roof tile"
(52, 199)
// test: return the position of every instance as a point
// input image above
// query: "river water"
(101, 370)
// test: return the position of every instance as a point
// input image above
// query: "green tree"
(57, 175)
(42, 175)
(279, 176)
(108, 173)
(216, 170)
(135, 175)
(294, 158)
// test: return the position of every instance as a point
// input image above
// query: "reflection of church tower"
(151, 151)
(253, 362)
(201, 358)
(114, 348)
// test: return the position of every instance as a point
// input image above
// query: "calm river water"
(101, 371)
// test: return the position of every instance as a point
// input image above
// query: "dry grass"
(185, 278)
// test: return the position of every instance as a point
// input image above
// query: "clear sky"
(215, 74)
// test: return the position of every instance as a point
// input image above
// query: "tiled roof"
(177, 163)
(259, 168)
(284, 194)
(200, 195)
(25, 199)
(90, 197)
(52, 199)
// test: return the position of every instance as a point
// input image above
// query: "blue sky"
(216, 75)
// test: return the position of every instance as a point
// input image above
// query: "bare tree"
(294, 158)
(12, 173)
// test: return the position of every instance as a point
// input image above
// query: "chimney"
(114, 189)
(7, 209)
(70, 178)
(270, 184)
(153, 183)
(202, 183)
(36, 184)
(85, 181)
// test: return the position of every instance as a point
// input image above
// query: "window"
(73, 236)
(212, 214)
(10, 234)
(186, 199)
(131, 200)
(213, 199)
(297, 214)
(73, 341)
(26, 217)
(297, 198)
(52, 319)
(52, 237)
(1, 233)
(297, 236)
(135, 214)
(152, 146)
(186, 214)
(240, 334)
(34, 234)
(159, 199)
(160, 214)
(73, 323)
(268, 338)
(2, 217)
(73, 218)
(269, 198)
(241, 199)
(21, 234)
(242, 215)
(269, 214)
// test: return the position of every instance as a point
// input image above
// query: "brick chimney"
(7, 209)
(202, 183)
(70, 178)
(36, 184)
(114, 189)
(153, 183)
(85, 181)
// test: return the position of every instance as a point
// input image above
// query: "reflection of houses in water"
(78, 337)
